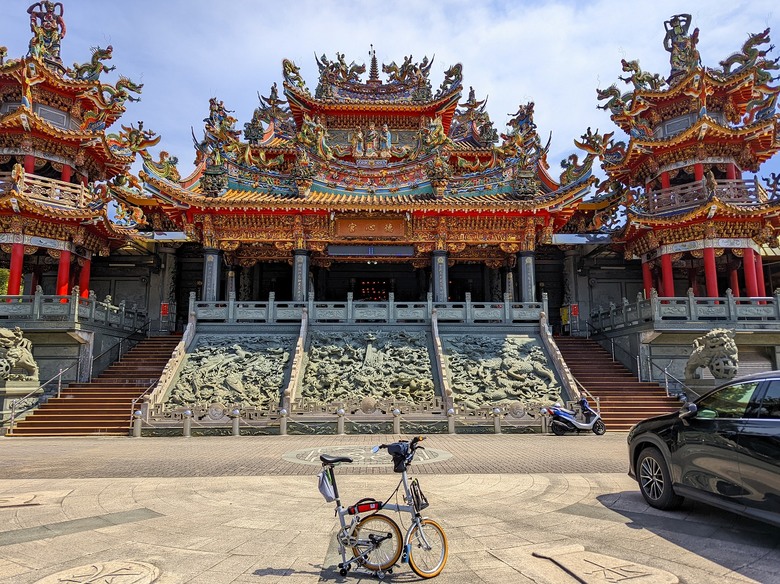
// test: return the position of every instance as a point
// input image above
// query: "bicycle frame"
(344, 536)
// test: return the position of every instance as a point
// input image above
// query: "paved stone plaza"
(516, 508)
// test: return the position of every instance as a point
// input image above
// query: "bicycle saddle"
(328, 459)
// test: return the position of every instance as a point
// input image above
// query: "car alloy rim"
(652, 478)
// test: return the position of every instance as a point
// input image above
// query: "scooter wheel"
(558, 428)
(343, 572)
(599, 428)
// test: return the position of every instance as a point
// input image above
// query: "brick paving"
(245, 510)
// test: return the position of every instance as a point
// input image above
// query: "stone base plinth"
(11, 390)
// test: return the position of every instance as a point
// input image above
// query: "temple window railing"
(678, 197)
(53, 192)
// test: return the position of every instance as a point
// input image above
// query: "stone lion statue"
(717, 351)
(16, 351)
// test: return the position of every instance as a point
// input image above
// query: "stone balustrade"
(734, 191)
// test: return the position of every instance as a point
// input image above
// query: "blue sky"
(554, 53)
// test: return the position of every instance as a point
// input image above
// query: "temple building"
(385, 189)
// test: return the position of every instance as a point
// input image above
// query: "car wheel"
(654, 480)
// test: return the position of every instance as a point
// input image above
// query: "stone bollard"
(137, 423)
(187, 424)
(451, 421)
(340, 422)
(282, 422)
(396, 421)
(497, 420)
(236, 415)
(545, 424)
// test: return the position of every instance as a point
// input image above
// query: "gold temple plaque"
(380, 228)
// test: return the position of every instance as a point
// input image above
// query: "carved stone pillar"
(231, 283)
(526, 272)
(212, 260)
(300, 275)
(440, 272)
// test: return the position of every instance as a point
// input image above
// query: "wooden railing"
(54, 192)
(734, 191)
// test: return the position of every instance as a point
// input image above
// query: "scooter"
(564, 420)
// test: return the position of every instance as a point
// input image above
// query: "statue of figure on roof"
(682, 46)
(356, 142)
(371, 141)
(385, 141)
(48, 29)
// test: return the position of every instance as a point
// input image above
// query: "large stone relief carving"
(491, 370)
(229, 369)
(383, 365)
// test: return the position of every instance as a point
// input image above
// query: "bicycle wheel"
(378, 537)
(428, 548)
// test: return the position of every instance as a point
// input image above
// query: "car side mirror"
(689, 410)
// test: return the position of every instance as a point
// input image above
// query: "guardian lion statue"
(16, 351)
(717, 351)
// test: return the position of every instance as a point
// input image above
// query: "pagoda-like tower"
(54, 152)
(694, 212)
(362, 172)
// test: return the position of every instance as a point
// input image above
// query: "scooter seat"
(570, 412)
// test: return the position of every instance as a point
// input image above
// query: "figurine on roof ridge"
(48, 28)
(684, 55)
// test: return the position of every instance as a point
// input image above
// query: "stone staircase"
(624, 401)
(102, 406)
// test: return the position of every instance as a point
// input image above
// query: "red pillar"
(731, 171)
(17, 263)
(698, 171)
(760, 275)
(647, 278)
(734, 280)
(749, 265)
(667, 275)
(63, 273)
(665, 180)
(66, 173)
(693, 281)
(710, 272)
(84, 278)
(29, 163)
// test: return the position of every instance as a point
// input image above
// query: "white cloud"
(554, 53)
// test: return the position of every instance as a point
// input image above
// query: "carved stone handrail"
(155, 396)
(441, 364)
(351, 311)
(296, 370)
(734, 191)
(567, 378)
(728, 311)
(69, 308)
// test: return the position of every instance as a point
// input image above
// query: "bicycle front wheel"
(428, 548)
(378, 540)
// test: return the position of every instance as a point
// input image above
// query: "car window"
(770, 405)
(728, 402)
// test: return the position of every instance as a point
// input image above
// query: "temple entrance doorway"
(370, 280)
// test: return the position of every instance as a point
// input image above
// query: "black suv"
(723, 449)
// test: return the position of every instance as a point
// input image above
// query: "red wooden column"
(698, 171)
(749, 266)
(734, 280)
(17, 265)
(647, 278)
(760, 275)
(66, 173)
(84, 278)
(667, 275)
(29, 163)
(63, 273)
(710, 272)
(731, 171)
(693, 281)
(665, 180)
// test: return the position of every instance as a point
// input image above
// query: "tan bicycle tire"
(436, 536)
(374, 524)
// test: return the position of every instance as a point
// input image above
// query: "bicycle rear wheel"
(378, 537)
(428, 548)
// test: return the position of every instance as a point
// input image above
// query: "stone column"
(570, 257)
(439, 266)
(300, 275)
(231, 283)
(526, 272)
(212, 261)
